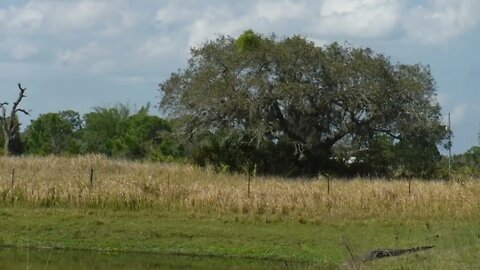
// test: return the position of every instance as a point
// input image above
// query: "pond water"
(30, 259)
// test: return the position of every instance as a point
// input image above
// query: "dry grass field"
(65, 182)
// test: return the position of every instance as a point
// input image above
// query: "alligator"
(387, 252)
(383, 253)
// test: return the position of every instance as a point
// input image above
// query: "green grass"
(321, 245)
(41, 259)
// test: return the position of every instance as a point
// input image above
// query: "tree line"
(268, 105)
(113, 131)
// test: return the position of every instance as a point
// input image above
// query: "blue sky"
(81, 54)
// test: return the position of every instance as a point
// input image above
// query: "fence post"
(13, 177)
(91, 177)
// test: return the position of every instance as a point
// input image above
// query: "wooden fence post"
(13, 177)
(91, 177)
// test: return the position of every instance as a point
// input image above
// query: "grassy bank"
(150, 207)
(317, 245)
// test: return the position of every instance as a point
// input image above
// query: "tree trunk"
(13, 143)
(10, 125)
(6, 138)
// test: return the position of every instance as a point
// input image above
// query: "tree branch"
(284, 124)
(389, 133)
(21, 95)
(23, 111)
(329, 142)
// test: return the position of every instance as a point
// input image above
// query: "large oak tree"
(319, 99)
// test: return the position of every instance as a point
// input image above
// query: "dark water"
(80, 260)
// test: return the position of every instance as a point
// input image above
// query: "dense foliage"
(332, 109)
(114, 132)
(54, 133)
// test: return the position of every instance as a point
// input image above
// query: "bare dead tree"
(10, 124)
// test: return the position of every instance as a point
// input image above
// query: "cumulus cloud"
(93, 34)
(81, 14)
(92, 51)
(441, 20)
(58, 16)
(325, 19)
(157, 47)
(174, 12)
(93, 58)
(459, 113)
(275, 11)
(197, 22)
(102, 67)
(25, 18)
(358, 18)
(216, 21)
(131, 80)
(429, 21)
(23, 51)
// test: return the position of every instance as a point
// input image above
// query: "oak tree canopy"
(323, 104)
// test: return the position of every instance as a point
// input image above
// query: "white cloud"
(82, 14)
(174, 12)
(3, 15)
(459, 113)
(58, 16)
(101, 67)
(274, 11)
(220, 20)
(158, 47)
(442, 98)
(441, 20)
(93, 58)
(320, 20)
(319, 42)
(25, 18)
(198, 22)
(131, 80)
(358, 18)
(92, 51)
(22, 51)
(74, 14)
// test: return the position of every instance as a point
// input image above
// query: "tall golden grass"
(65, 182)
